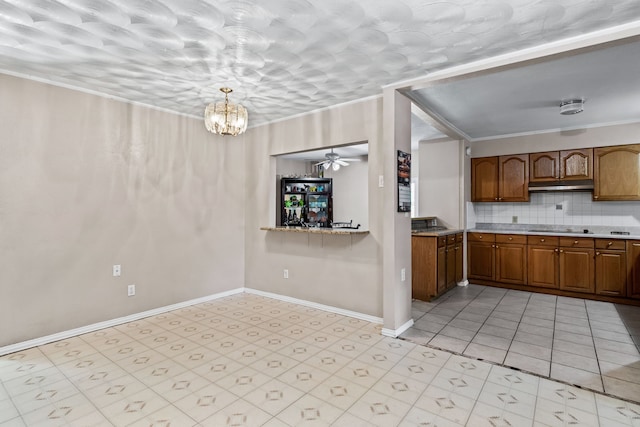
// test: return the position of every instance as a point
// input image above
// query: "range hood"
(583, 185)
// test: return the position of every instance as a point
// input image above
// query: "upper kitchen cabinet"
(500, 179)
(616, 173)
(566, 165)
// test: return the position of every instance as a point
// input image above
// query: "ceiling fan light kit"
(334, 161)
(223, 118)
(572, 106)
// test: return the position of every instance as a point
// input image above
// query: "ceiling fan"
(335, 161)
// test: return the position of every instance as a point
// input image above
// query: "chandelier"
(223, 118)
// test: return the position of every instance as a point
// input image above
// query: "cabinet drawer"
(618, 245)
(442, 241)
(459, 237)
(576, 242)
(481, 237)
(543, 240)
(511, 238)
(451, 239)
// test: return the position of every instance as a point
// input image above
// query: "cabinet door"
(480, 259)
(576, 164)
(451, 266)
(611, 273)
(616, 173)
(484, 179)
(459, 263)
(511, 264)
(513, 178)
(577, 270)
(544, 167)
(543, 266)
(423, 267)
(633, 268)
(442, 269)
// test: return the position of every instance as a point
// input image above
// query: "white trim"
(354, 314)
(397, 332)
(463, 283)
(12, 348)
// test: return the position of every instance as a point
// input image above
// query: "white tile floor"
(582, 342)
(251, 361)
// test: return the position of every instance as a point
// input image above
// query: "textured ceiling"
(302, 54)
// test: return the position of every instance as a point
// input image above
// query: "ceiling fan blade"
(320, 163)
(341, 163)
(350, 160)
(326, 165)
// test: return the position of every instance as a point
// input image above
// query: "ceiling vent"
(572, 106)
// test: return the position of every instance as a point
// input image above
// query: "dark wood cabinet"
(459, 250)
(576, 264)
(484, 179)
(513, 178)
(543, 266)
(566, 165)
(611, 267)
(435, 266)
(481, 256)
(633, 269)
(576, 164)
(511, 259)
(617, 173)
(500, 179)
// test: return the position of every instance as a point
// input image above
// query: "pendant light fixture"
(223, 118)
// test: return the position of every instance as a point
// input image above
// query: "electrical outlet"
(514, 219)
(131, 290)
(381, 181)
(403, 275)
(116, 270)
(559, 207)
(286, 274)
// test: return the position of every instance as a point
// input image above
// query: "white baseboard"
(395, 333)
(349, 313)
(109, 323)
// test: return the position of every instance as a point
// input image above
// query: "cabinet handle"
(510, 238)
(499, 198)
(493, 246)
(497, 246)
(561, 250)
(479, 237)
(556, 250)
(496, 199)
(542, 240)
(595, 197)
(575, 242)
(610, 243)
(597, 253)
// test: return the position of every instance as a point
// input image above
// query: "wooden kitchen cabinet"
(576, 265)
(633, 269)
(500, 179)
(611, 267)
(616, 173)
(542, 253)
(481, 256)
(511, 259)
(459, 249)
(566, 165)
(434, 264)
(484, 179)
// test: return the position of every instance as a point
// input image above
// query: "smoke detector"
(572, 106)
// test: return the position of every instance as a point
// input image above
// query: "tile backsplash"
(558, 208)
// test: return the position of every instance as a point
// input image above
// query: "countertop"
(597, 232)
(436, 233)
(315, 230)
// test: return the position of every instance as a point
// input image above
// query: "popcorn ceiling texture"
(302, 54)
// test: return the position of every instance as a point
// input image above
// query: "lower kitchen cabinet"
(633, 266)
(481, 256)
(435, 265)
(611, 267)
(542, 253)
(576, 265)
(511, 259)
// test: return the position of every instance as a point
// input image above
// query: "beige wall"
(87, 182)
(583, 138)
(340, 271)
(350, 193)
(441, 181)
